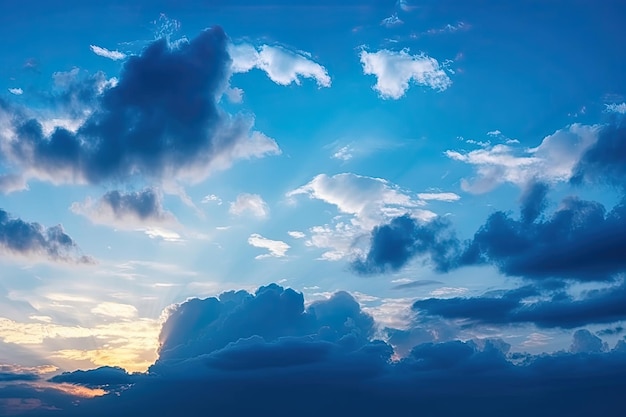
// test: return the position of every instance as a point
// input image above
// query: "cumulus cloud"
(363, 203)
(276, 248)
(395, 70)
(553, 160)
(394, 244)
(126, 209)
(212, 198)
(106, 377)
(281, 65)
(392, 21)
(34, 241)
(251, 347)
(161, 121)
(249, 203)
(296, 234)
(106, 53)
(579, 241)
(16, 91)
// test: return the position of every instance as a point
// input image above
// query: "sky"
(274, 207)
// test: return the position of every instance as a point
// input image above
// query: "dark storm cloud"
(267, 354)
(104, 377)
(395, 243)
(597, 306)
(605, 161)
(18, 237)
(580, 241)
(14, 376)
(161, 119)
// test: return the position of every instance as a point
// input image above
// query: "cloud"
(296, 234)
(363, 203)
(552, 161)
(579, 241)
(276, 248)
(16, 91)
(106, 377)
(615, 108)
(449, 28)
(533, 201)
(605, 160)
(281, 65)
(249, 203)
(212, 198)
(395, 243)
(392, 21)
(36, 242)
(415, 284)
(114, 55)
(127, 210)
(528, 305)
(586, 342)
(395, 70)
(249, 348)
(448, 197)
(160, 121)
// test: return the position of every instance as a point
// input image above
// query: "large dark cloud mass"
(267, 354)
(18, 237)
(161, 119)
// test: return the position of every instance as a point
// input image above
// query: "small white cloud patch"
(16, 91)
(296, 234)
(276, 248)
(615, 108)
(249, 203)
(395, 70)
(106, 53)
(281, 65)
(448, 197)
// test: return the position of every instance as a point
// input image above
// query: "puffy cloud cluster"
(265, 353)
(34, 241)
(160, 120)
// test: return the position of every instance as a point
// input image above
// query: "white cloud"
(363, 203)
(494, 133)
(118, 310)
(276, 248)
(344, 153)
(106, 53)
(296, 234)
(395, 70)
(249, 203)
(392, 21)
(552, 161)
(448, 291)
(212, 198)
(616, 108)
(439, 196)
(16, 91)
(281, 65)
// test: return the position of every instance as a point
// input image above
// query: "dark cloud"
(597, 306)
(107, 377)
(611, 331)
(395, 243)
(203, 326)
(160, 120)
(118, 208)
(533, 201)
(14, 376)
(415, 284)
(580, 241)
(585, 341)
(267, 354)
(605, 161)
(18, 237)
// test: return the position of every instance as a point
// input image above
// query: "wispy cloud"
(276, 248)
(106, 53)
(395, 70)
(615, 108)
(16, 91)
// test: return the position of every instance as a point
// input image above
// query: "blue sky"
(381, 194)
